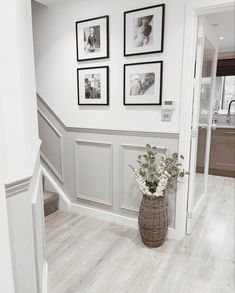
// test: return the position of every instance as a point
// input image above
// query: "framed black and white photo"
(92, 38)
(93, 85)
(144, 30)
(143, 83)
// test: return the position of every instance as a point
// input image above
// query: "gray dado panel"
(94, 171)
(51, 147)
(95, 163)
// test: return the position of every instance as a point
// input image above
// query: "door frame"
(193, 9)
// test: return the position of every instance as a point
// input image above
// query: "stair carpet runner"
(51, 202)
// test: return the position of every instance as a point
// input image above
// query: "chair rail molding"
(127, 132)
(18, 184)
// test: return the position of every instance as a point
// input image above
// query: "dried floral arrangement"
(155, 179)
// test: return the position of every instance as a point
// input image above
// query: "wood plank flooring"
(87, 255)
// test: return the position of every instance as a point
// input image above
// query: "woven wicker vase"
(153, 220)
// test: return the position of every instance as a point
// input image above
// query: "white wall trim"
(127, 132)
(95, 200)
(45, 278)
(136, 146)
(16, 185)
(58, 189)
(194, 8)
(60, 175)
(36, 187)
(124, 146)
(49, 165)
(97, 213)
(128, 208)
(50, 124)
(84, 197)
(38, 197)
(113, 218)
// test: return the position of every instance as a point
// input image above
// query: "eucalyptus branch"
(156, 178)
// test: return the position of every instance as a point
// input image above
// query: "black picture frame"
(80, 99)
(160, 50)
(158, 99)
(80, 41)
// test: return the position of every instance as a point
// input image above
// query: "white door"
(205, 73)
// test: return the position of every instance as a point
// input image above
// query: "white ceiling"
(223, 24)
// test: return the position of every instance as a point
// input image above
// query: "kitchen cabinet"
(222, 152)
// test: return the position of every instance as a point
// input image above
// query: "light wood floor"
(92, 256)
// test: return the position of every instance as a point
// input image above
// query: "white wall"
(55, 55)
(17, 87)
(6, 273)
(19, 151)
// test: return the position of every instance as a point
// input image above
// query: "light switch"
(166, 115)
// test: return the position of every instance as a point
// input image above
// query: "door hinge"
(193, 133)
(199, 41)
(189, 215)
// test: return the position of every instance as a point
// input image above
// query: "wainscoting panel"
(51, 148)
(94, 171)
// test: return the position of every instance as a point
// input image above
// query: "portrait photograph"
(144, 30)
(143, 83)
(93, 85)
(92, 38)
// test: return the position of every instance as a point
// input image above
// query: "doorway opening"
(213, 117)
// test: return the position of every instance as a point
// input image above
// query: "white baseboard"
(44, 277)
(66, 203)
(93, 212)
(104, 215)
(113, 218)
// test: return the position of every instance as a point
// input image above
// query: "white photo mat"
(101, 76)
(134, 91)
(152, 40)
(102, 23)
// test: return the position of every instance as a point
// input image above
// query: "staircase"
(51, 200)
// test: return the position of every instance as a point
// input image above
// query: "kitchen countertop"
(225, 126)
(214, 126)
